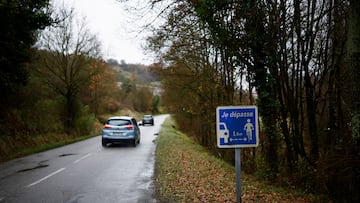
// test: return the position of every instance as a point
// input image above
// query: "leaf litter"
(185, 172)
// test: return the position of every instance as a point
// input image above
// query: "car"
(224, 132)
(148, 119)
(120, 129)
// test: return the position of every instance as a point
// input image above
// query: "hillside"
(141, 73)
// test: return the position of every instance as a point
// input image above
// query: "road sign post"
(237, 127)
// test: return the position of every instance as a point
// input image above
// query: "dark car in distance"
(120, 129)
(148, 119)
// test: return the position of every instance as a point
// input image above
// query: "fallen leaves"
(185, 172)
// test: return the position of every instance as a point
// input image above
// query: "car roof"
(120, 117)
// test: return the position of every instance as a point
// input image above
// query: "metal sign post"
(237, 127)
(238, 174)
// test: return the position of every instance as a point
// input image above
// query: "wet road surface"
(84, 172)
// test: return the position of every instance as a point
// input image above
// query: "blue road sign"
(237, 126)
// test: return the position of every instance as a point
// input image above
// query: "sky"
(118, 29)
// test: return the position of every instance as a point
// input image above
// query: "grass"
(11, 148)
(186, 172)
(15, 147)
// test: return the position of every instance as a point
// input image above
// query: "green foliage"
(263, 172)
(155, 104)
(46, 116)
(355, 122)
(127, 86)
(19, 22)
(65, 86)
(40, 118)
(85, 122)
(65, 62)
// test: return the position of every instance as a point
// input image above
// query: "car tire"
(103, 142)
(133, 143)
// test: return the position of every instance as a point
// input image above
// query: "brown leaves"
(185, 172)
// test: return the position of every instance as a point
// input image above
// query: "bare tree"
(64, 64)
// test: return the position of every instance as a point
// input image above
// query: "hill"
(141, 73)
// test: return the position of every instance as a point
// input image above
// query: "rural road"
(84, 172)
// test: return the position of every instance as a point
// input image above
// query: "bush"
(46, 116)
(85, 125)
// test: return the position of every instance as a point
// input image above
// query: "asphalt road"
(84, 172)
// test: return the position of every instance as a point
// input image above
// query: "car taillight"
(129, 127)
(107, 126)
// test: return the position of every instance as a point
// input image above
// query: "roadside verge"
(186, 172)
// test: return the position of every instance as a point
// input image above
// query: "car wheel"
(103, 142)
(133, 143)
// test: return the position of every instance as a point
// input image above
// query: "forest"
(297, 60)
(54, 83)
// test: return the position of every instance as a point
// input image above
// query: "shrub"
(85, 124)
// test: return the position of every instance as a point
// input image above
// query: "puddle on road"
(41, 164)
(70, 154)
(30, 169)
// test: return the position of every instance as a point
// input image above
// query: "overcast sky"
(116, 28)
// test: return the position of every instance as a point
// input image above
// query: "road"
(84, 172)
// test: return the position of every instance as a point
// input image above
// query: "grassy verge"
(185, 172)
(15, 147)
(12, 148)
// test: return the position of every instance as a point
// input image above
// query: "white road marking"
(84, 157)
(46, 177)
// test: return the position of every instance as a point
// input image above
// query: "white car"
(224, 132)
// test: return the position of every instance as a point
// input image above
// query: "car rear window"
(118, 122)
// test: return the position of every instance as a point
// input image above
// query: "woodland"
(297, 60)
(54, 83)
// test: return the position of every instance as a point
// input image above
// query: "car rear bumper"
(117, 140)
(147, 122)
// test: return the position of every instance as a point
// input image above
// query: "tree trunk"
(353, 50)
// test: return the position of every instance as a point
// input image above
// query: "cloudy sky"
(117, 27)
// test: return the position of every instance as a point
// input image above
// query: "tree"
(292, 53)
(102, 93)
(353, 48)
(65, 62)
(20, 22)
(353, 59)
